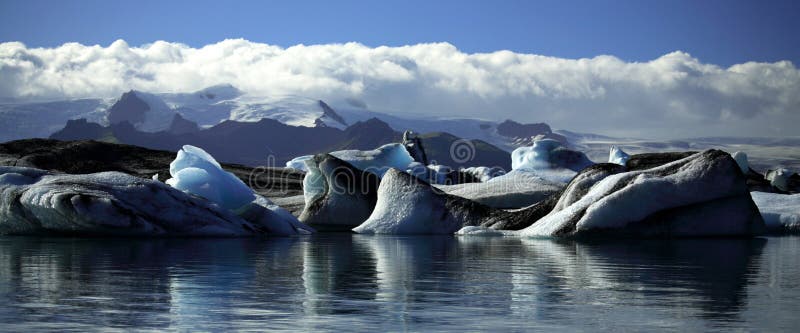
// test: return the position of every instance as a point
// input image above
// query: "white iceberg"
(299, 163)
(479, 231)
(515, 189)
(483, 173)
(377, 161)
(781, 212)
(195, 171)
(549, 159)
(779, 178)
(741, 160)
(406, 205)
(438, 173)
(617, 156)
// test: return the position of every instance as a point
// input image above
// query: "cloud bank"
(673, 95)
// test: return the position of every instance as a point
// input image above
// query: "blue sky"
(718, 32)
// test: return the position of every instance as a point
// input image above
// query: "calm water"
(358, 282)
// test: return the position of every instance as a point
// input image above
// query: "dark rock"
(181, 125)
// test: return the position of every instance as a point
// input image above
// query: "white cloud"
(673, 95)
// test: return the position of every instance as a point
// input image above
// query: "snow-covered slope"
(39, 120)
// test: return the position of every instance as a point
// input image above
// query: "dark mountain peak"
(513, 129)
(130, 107)
(78, 129)
(328, 111)
(373, 123)
(181, 125)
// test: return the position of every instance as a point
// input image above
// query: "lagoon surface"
(396, 283)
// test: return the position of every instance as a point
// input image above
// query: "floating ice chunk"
(418, 170)
(408, 206)
(196, 172)
(478, 231)
(337, 195)
(701, 195)
(299, 163)
(513, 190)
(392, 155)
(534, 157)
(550, 159)
(155, 177)
(276, 220)
(34, 201)
(617, 156)
(483, 173)
(781, 212)
(741, 160)
(779, 178)
(439, 173)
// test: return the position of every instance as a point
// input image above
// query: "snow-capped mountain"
(147, 112)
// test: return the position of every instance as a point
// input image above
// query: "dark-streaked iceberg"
(34, 201)
(338, 196)
(704, 194)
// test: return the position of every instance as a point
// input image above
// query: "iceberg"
(195, 171)
(704, 194)
(741, 160)
(377, 161)
(516, 189)
(483, 173)
(338, 196)
(34, 201)
(549, 159)
(408, 205)
(779, 178)
(617, 156)
(781, 212)
(299, 163)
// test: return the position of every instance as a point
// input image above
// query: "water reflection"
(343, 281)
